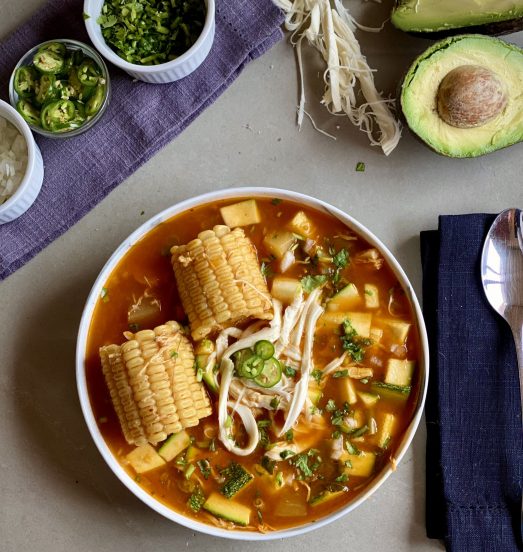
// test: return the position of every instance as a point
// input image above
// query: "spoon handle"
(517, 331)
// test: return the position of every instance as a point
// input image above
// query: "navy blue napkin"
(473, 413)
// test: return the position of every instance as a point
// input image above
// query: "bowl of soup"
(252, 363)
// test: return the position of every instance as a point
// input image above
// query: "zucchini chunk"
(227, 509)
(174, 445)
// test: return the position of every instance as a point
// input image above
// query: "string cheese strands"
(331, 32)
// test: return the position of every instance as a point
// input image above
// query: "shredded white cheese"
(331, 32)
(13, 159)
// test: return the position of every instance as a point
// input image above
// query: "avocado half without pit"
(441, 18)
(464, 96)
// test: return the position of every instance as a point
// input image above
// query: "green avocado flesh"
(419, 91)
(427, 16)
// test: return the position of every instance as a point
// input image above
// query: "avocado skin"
(499, 28)
(408, 76)
(501, 23)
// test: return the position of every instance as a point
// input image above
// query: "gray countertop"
(56, 491)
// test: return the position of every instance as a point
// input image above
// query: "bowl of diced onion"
(21, 165)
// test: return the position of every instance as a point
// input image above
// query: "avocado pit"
(469, 96)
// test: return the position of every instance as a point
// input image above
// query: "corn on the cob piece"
(121, 392)
(220, 281)
(153, 384)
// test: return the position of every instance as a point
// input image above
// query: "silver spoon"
(502, 278)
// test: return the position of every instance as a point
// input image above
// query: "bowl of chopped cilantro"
(156, 41)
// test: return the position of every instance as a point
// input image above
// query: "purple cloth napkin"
(142, 118)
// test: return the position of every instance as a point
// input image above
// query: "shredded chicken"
(369, 256)
(357, 372)
(337, 448)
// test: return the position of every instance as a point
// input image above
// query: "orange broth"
(146, 266)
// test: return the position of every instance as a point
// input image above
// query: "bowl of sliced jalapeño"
(60, 87)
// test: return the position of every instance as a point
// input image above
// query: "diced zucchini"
(284, 289)
(315, 394)
(369, 399)
(390, 391)
(360, 465)
(192, 453)
(346, 299)
(347, 390)
(144, 458)
(372, 296)
(325, 496)
(243, 213)
(300, 224)
(385, 429)
(174, 445)
(228, 509)
(279, 242)
(360, 321)
(395, 331)
(399, 372)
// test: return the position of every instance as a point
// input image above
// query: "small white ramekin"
(31, 184)
(81, 346)
(157, 74)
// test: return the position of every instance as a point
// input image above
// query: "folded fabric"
(142, 118)
(473, 414)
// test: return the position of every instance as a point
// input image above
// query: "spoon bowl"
(502, 278)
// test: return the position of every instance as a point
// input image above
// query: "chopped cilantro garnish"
(340, 374)
(310, 283)
(317, 375)
(352, 449)
(149, 32)
(289, 371)
(341, 258)
(276, 200)
(86, 16)
(301, 462)
(205, 467)
(264, 423)
(330, 406)
(289, 435)
(275, 401)
(369, 292)
(174, 354)
(264, 438)
(268, 464)
(284, 454)
(266, 270)
(342, 478)
(359, 431)
(352, 342)
(339, 414)
(360, 166)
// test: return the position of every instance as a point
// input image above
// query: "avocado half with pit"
(440, 18)
(464, 96)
